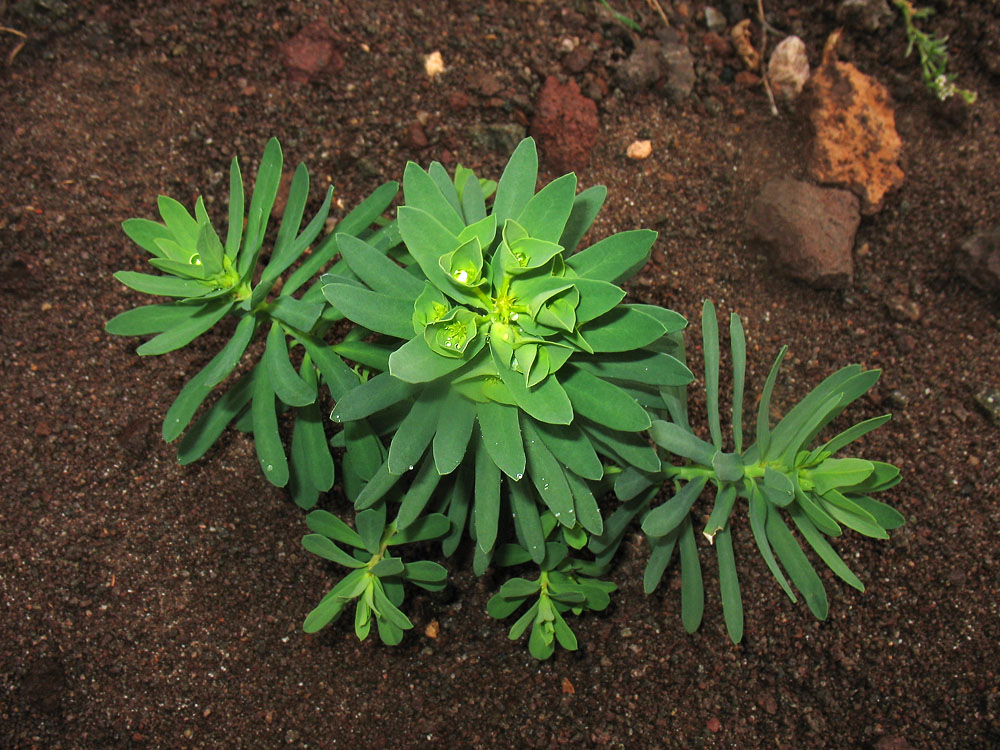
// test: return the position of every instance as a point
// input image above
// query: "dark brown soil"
(151, 605)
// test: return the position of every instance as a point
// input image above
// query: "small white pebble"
(639, 149)
(434, 64)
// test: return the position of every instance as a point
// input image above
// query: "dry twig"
(764, 26)
(17, 47)
(655, 5)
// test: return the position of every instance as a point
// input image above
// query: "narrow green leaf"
(725, 498)
(885, 516)
(602, 402)
(564, 635)
(826, 553)
(758, 523)
(180, 223)
(445, 184)
(681, 442)
(378, 312)
(325, 523)
(266, 438)
(416, 362)
(459, 501)
(418, 494)
(473, 200)
(501, 435)
(546, 402)
(424, 571)
(207, 429)
(692, 588)
(882, 478)
(799, 569)
(588, 513)
(572, 448)
(425, 528)
(182, 269)
(517, 183)
(265, 190)
(621, 330)
(729, 585)
(541, 643)
(309, 440)
(354, 224)
(326, 611)
(235, 232)
(738, 344)
(371, 527)
(546, 213)
(374, 356)
(790, 429)
(455, 421)
(517, 630)
(519, 588)
(427, 241)
(764, 407)
(210, 250)
(666, 517)
(861, 521)
(291, 220)
(650, 368)
(840, 472)
(320, 545)
(627, 448)
(163, 286)
(371, 397)
(812, 509)
(586, 205)
(710, 341)
(615, 258)
(414, 433)
(146, 233)
(420, 191)
(378, 271)
(548, 477)
(338, 376)
(526, 520)
(859, 430)
(389, 611)
(499, 608)
(661, 550)
(141, 321)
(285, 382)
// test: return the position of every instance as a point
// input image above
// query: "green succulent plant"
(564, 584)
(376, 577)
(785, 471)
(490, 382)
(209, 281)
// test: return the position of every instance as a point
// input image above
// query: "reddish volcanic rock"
(310, 52)
(565, 125)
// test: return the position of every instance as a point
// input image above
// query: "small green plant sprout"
(621, 17)
(209, 280)
(564, 584)
(376, 577)
(933, 53)
(785, 471)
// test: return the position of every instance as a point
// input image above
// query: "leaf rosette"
(515, 372)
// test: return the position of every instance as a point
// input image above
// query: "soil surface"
(151, 605)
